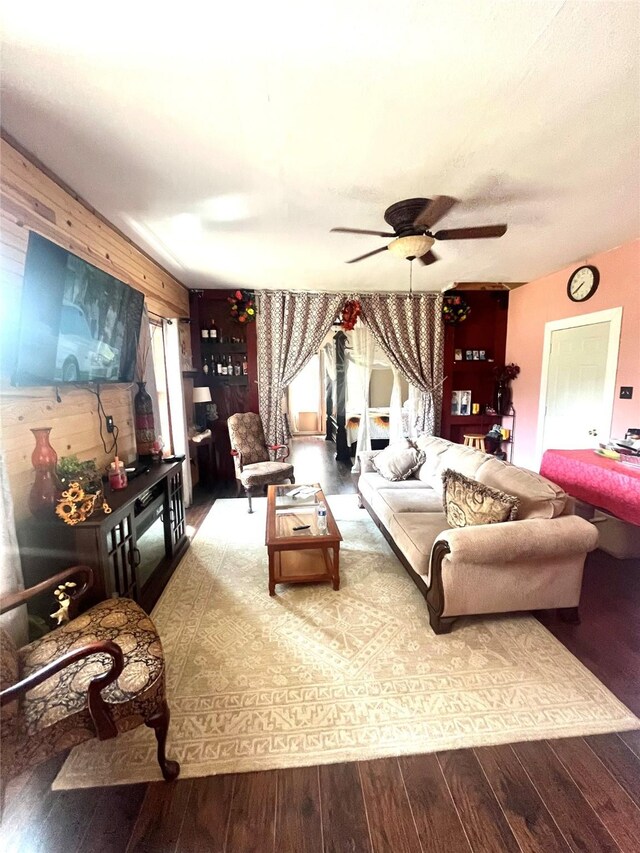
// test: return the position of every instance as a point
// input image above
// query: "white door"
(581, 360)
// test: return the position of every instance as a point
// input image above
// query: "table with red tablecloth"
(605, 483)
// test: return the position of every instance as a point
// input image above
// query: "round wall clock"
(583, 283)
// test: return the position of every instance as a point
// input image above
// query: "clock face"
(583, 283)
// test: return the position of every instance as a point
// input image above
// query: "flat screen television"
(77, 323)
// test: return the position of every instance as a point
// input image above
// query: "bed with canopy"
(357, 370)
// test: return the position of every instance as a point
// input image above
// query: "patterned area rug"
(314, 676)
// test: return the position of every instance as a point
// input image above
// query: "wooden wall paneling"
(31, 199)
(159, 301)
(30, 193)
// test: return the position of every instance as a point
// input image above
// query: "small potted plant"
(70, 469)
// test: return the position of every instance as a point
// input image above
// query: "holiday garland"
(242, 306)
(455, 310)
(350, 314)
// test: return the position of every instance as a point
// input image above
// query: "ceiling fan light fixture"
(411, 247)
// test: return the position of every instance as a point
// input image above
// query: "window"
(160, 370)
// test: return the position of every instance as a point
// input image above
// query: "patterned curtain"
(361, 359)
(410, 331)
(14, 622)
(290, 328)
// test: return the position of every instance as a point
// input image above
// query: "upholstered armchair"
(97, 675)
(251, 456)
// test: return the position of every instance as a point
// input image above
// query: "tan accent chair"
(252, 456)
(97, 675)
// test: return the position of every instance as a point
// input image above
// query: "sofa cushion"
(411, 500)
(414, 533)
(468, 502)
(442, 454)
(399, 460)
(430, 471)
(537, 496)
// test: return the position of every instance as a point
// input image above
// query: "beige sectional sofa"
(535, 562)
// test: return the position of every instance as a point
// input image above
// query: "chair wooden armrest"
(238, 455)
(98, 709)
(276, 447)
(15, 599)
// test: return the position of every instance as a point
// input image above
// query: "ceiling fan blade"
(429, 258)
(364, 231)
(434, 211)
(471, 233)
(368, 255)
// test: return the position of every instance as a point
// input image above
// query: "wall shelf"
(213, 347)
(217, 381)
(484, 329)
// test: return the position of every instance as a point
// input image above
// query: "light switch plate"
(626, 392)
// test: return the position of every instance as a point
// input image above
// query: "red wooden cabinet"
(484, 330)
(236, 342)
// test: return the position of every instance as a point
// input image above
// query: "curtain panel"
(410, 331)
(363, 352)
(290, 328)
(11, 580)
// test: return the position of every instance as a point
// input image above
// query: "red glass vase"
(42, 498)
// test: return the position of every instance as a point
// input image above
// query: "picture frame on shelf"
(476, 355)
(468, 355)
(455, 403)
(465, 402)
(483, 354)
(457, 355)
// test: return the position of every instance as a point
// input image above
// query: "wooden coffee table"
(302, 556)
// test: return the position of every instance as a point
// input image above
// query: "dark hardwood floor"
(580, 794)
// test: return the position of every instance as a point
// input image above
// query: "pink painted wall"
(545, 299)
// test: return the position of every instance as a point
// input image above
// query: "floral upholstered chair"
(251, 456)
(99, 674)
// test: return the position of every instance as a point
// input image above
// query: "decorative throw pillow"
(399, 460)
(468, 502)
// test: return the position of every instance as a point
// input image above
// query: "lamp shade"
(412, 246)
(202, 394)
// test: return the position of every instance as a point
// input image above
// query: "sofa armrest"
(528, 539)
(365, 457)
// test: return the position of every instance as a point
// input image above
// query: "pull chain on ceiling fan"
(412, 220)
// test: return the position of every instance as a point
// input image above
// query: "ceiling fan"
(412, 220)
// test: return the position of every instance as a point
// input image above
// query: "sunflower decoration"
(455, 310)
(242, 306)
(75, 505)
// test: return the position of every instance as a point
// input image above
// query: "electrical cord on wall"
(102, 417)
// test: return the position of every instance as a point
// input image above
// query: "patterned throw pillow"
(399, 460)
(468, 502)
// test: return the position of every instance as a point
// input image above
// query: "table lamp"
(201, 396)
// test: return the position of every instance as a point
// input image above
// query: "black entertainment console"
(132, 550)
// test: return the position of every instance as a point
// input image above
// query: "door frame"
(613, 316)
(321, 401)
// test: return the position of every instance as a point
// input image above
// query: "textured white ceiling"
(228, 140)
